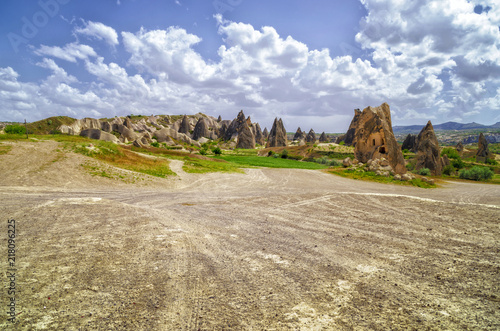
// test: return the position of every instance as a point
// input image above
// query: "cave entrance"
(382, 150)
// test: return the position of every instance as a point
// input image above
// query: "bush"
(203, 151)
(491, 162)
(342, 143)
(405, 151)
(335, 163)
(15, 129)
(410, 166)
(451, 152)
(217, 150)
(448, 170)
(458, 164)
(323, 160)
(270, 153)
(284, 154)
(155, 144)
(476, 173)
(424, 172)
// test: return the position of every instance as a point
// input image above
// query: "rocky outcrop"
(410, 143)
(99, 135)
(232, 131)
(483, 153)
(127, 123)
(311, 137)
(349, 138)
(185, 126)
(168, 134)
(265, 133)
(126, 134)
(323, 138)
(201, 129)
(299, 135)
(459, 147)
(277, 136)
(246, 138)
(79, 125)
(259, 137)
(428, 153)
(374, 138)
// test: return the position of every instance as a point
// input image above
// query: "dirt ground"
(271, 249)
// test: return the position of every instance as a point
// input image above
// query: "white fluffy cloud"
(71, 52)
(99, 31)
(437, 60)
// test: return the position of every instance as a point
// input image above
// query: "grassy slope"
(49, 125)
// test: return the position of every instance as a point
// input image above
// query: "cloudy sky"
(310, 62)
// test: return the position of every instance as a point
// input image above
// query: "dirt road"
(272, 249)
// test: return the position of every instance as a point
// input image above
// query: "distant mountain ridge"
(448, 126)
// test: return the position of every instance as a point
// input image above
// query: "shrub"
(405, 150)
(217, 150)
(424, 172)
(448, 170)
(270, 153)
(284, 154)
(458, 164)
(451, 152)
(410, 166)
(276, 156)
(491, 162)
(335, 163)
(323, 160)
(342, 143)
(49, 122)
(203, 151)
(476, 173)
(155, 144)
(15, 129)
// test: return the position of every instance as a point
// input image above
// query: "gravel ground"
(272, 249)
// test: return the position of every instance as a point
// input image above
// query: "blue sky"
(309, 62)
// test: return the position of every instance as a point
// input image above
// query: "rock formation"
(98, 135)
(232, 131)
(185, 126)
(246, 138)
(311, 137)
(349, 138)
(428, 154)
(299, 135)
(483, 153)
(265, 133)
(277, 136)
(259, 137)
(459, 147)
(323, 138)
(410, 143)
(201, 129)
(374, 138)
(127, 123)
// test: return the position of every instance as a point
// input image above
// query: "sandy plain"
(271, 249)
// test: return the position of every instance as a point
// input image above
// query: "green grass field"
(270, 162)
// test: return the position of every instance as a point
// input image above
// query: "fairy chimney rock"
(277, 136)
(185, 126)
(428, 153)
(323, 138)
(375, 139)
(311, 137)
(483, 153)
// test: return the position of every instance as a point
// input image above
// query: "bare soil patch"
(271, 249)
